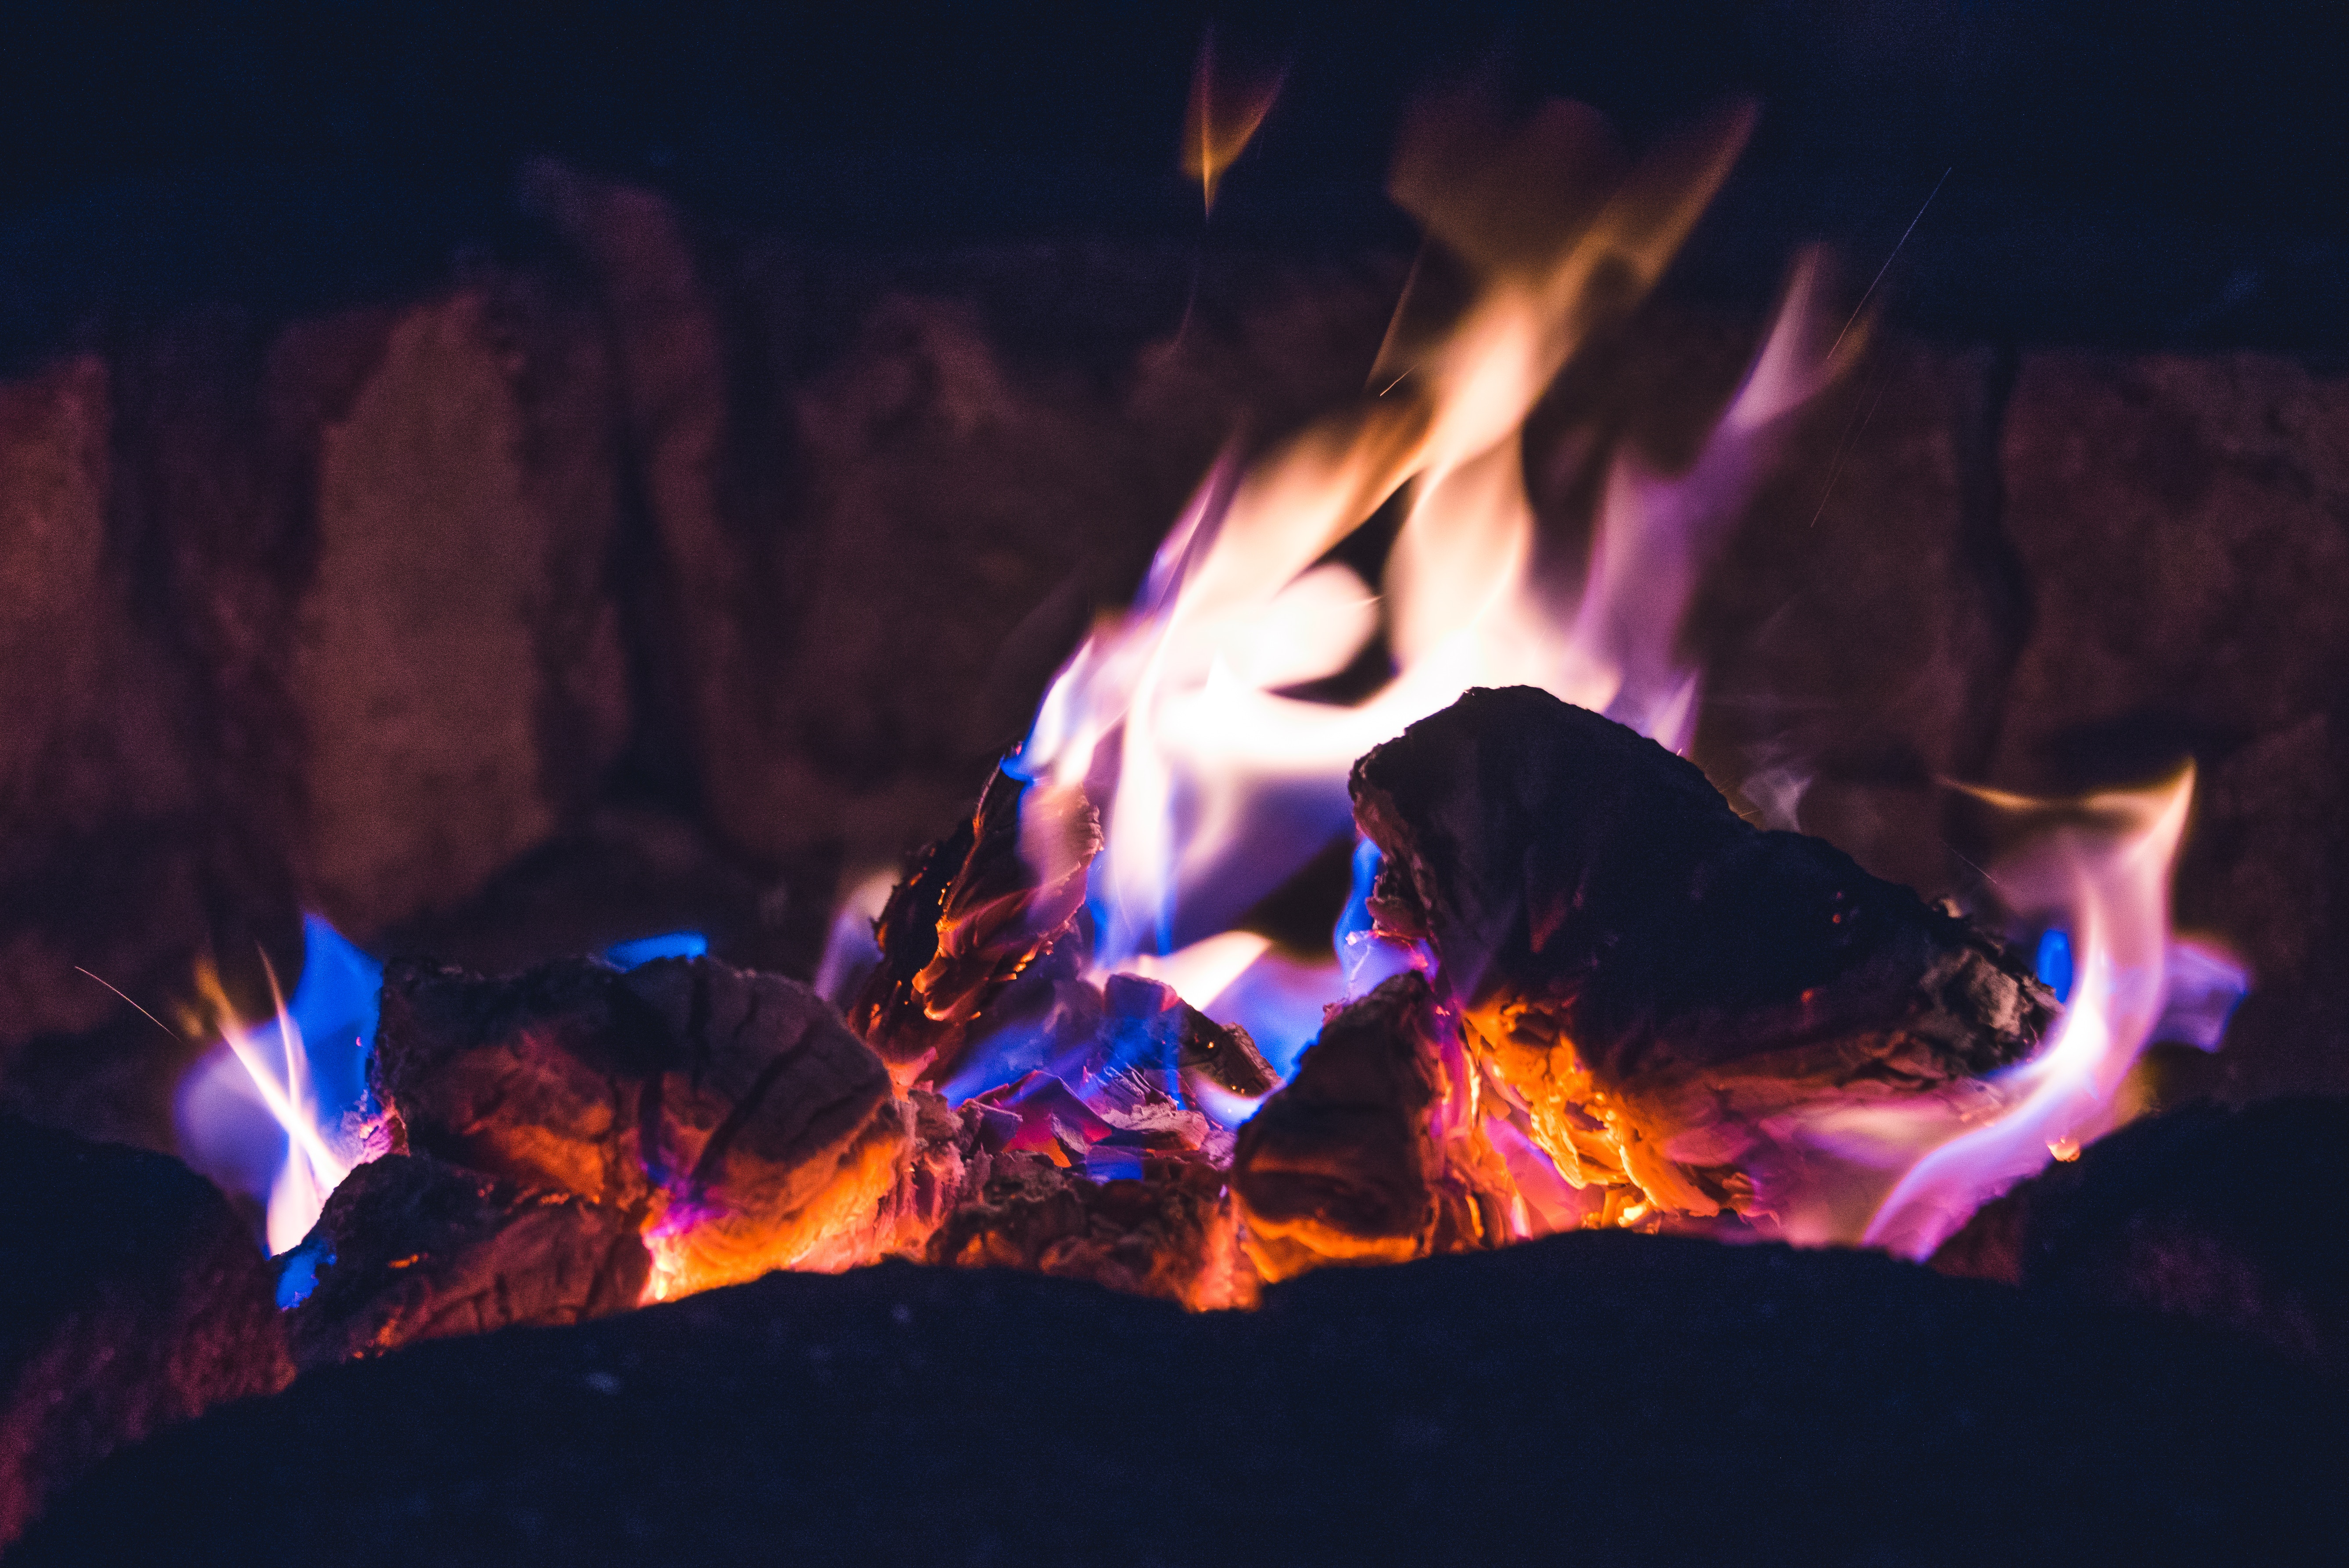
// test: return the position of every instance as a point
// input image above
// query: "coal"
(728, 1112)
(130, 1298)
(410, 1247)
(2219, 1215)
(1615, 1398)
(1369, 1153)
(1656, 978)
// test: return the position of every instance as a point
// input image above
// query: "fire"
(1190, 720)
(2099, 874)
(280, 1111)
(1226, 110)
(1191, 761)
(305, 1069)
(1221, 779)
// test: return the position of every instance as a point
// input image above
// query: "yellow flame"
(1226, 109)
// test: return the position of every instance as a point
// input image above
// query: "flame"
(2101, 871)
(1222, 778)
(315, 1129)
(1226, 109)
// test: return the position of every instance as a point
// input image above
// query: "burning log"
(973, 918)
(1169, 1234)
(1371, 1153)
(2179, 1215)
(730, 1113)
(410, 1248)
(1660, 985)
(132, 1298)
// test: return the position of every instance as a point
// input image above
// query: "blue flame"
(2054, 964)
(334, 1007)
(645, 949)
(297, 1270)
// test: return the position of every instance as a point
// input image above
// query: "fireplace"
(1346, 873)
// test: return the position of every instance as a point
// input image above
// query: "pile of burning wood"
(1618, 993)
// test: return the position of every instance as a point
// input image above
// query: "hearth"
(1195, 898)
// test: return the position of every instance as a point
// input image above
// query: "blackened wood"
(410, 1247)
(983, 907)
(1613, 930)
(2221, 1215)
(1353, 1161)
(130, 1297)
(730, 1108)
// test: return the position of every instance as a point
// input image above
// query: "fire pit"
(1610, 830)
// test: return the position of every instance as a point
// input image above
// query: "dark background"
(2171, 177)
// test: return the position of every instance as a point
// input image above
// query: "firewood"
(977, 915)
(1371, 1153)
(730, 1112)
(1169, 1234)
(410, 1248)
(950, 1156)
(130, 1297)
(1652, 977)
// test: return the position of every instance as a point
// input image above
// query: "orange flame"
(1225, 111)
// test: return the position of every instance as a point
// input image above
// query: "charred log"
(2191, 1214)
(728, 1111)
(410, 1248)
(1371, 1153)
(983, 907)
(130, 1297)
(1655, 979)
